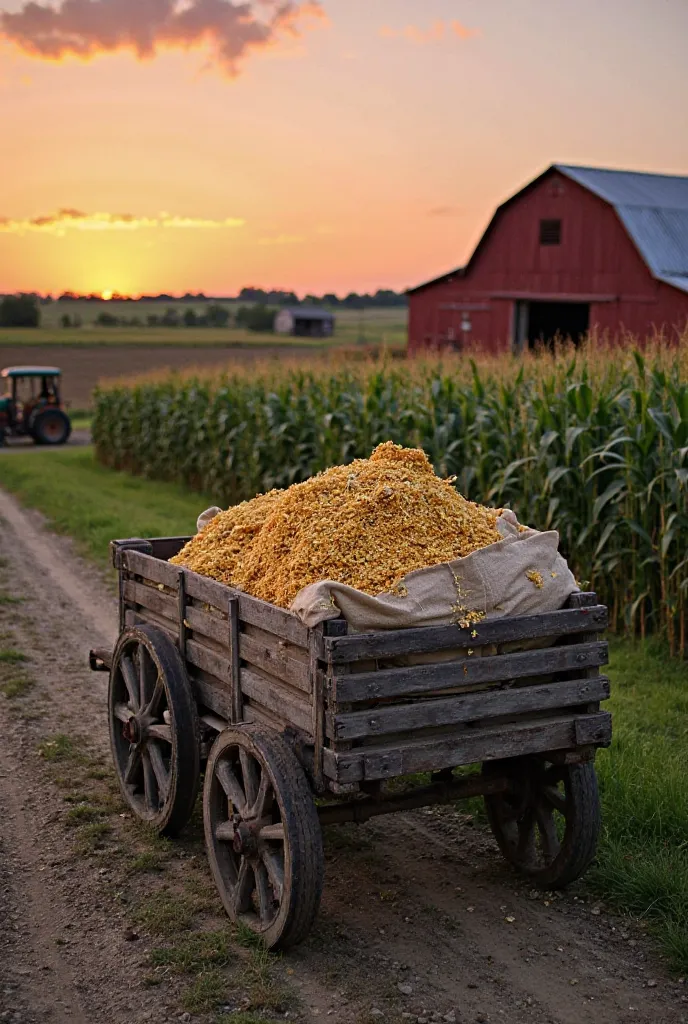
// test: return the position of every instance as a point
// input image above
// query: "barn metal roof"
(654, 210)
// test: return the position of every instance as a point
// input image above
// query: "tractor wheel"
(51, 426)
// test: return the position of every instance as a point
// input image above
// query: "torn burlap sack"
(522, 574)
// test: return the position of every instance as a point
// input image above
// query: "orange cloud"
(437, 31)
(89, 28)
(67, 219)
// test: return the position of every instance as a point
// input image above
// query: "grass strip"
(94, 505)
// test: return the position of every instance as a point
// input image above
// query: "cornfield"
(592, 443)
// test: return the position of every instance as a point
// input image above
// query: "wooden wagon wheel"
(548, 824)
(262, 835)
(154, 730)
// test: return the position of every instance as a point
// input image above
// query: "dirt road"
(99, 921)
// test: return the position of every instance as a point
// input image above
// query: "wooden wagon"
(295, 728)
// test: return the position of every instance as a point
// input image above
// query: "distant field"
(364, 327)
(84, 365)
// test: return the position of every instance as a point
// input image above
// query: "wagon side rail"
(484, 702)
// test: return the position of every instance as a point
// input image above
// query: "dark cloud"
(87, 28)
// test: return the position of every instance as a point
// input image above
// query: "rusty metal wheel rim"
(144, 741)
(53, 428)
(535, 815)
(249, 837)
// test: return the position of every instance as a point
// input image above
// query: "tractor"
(31, 405)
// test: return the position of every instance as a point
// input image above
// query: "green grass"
(8, 656)
(643, 858)
(367, 327)
(95, 505)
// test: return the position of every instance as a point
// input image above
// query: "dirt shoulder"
(100, 921)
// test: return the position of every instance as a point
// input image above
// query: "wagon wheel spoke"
(150, 786)
(264, 798)
(153, 705)
(264, 901)
(145, 676)
(123, 712)
(243, 888)
(250, 774)
(162, 776)
(225, 832)
(555, 799)
(133, 765)
(548, 831)
(230, 784)
(274, 864)
(130, 681)
(525, 850)
(160, 732)
(272, 832)
(510, 810)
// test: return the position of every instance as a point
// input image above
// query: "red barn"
(578, 248)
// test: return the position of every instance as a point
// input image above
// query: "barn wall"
(596, 262)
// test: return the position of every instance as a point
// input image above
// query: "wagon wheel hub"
(131, 730)
(245, 841)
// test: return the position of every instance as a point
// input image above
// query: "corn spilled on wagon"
(207, 679)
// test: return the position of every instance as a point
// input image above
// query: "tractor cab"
(31, 405)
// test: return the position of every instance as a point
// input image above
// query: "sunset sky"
(156, 145)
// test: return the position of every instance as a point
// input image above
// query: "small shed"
(305, 322)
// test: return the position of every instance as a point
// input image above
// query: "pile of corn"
(366, 525)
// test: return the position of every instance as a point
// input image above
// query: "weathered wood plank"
(490, 743)
(146, 617)
(212, 626)
(151, 568)
(400, 642)
(317, 707)
(152, 598)
(235, 660)
(258, 613)
(582, 599)
(202, 657)
(274, 659)
(165, 548)
(391, 718)
(467, 671)
(286, 704)
(211, 693)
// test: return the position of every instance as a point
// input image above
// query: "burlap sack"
(494, 580)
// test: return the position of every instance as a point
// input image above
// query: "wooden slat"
(467, 672)
(165, 548)
(208, 625)
(275, 620)
(400, 642)
(468, 747)
(151, 568)
(317, 708)
(258, 613)
(146, 617)
(235, 660)
(274, 659)
(211, 692)
(150, 597)
(286, 704)
(391, 718)
(202, 657)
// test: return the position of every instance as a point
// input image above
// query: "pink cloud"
(89, 28)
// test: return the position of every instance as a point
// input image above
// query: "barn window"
(550, 232)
